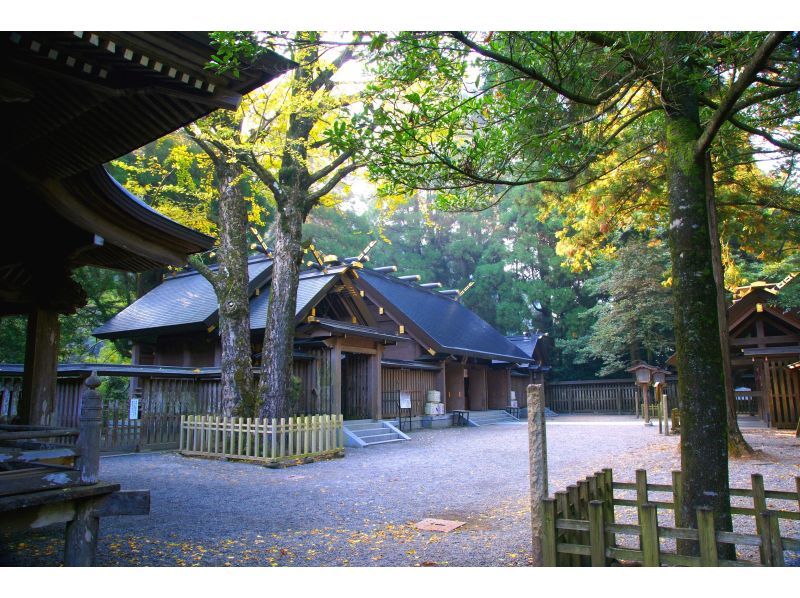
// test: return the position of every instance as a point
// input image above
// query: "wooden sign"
(405, 400)
(133, 412)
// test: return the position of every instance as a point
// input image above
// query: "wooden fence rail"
(580, 529)
(261, 440)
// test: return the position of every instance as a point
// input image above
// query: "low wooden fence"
(261, 440)
(580, 529)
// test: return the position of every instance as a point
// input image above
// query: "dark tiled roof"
(184, 300)
(525, 343)
(448, 323)
(312, 284)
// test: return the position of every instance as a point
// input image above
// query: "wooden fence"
(580, 528)
(599, 396)
(261, 440)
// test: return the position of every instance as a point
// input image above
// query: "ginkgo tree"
(294, 142)
(468, 113)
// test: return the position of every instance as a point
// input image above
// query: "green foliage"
(632, 318)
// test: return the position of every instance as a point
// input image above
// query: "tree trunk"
(276, 373)
(737, 445)
(701, 387)
(232, 286)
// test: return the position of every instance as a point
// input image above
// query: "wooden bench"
(43, 482)
(460, 417)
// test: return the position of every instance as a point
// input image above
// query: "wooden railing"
(261, 440)
(580, 529)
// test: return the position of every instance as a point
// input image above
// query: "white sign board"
(133, 412)
(405, 400)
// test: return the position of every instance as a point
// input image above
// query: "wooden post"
(771, 540)
(89, 432)
(537, 465)
(641, 487)
(760, 506)
(336, 377)
(80, 543)
(646, 405)
(677, 498)
(548, 544)
(708, 540)
(608, 504)
(597, 538)
(665, 410)
(37, 402)
(648, 540)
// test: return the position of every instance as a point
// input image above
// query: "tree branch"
(530, 72)
(326, 170)
(206, 272)
(315, 196)
(203, 145)
(736, 90)
(249, 159)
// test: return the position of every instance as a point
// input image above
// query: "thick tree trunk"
(276, 375)
(230, 283)
(737, 445)
(701, 387)
(232, 280)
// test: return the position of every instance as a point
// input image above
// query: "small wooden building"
(362, 337)
(764, 341)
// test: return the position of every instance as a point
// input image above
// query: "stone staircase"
(491, 417)
(361, 433)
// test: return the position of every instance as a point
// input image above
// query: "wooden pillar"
(89, 432)
(80, 543)
(336, 377)
(37, 403)
(375, 392)
(441, 386)
(766, 394)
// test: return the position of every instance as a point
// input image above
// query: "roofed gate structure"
(72, 101)
(362, 337)
(765, 342)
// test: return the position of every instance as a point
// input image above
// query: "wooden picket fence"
(580, 528)
(261, 440)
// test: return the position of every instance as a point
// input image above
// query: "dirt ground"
(360, 510)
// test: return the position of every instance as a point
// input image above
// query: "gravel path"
(358, 510)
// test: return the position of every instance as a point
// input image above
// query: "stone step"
(376, 438)
(361, 432)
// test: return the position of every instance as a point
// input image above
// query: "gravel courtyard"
(357, 511)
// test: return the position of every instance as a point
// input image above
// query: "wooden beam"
(37, 403)
(124, 502)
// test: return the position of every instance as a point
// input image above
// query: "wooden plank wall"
(785, 394)
(315, 397)
(417, 382)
